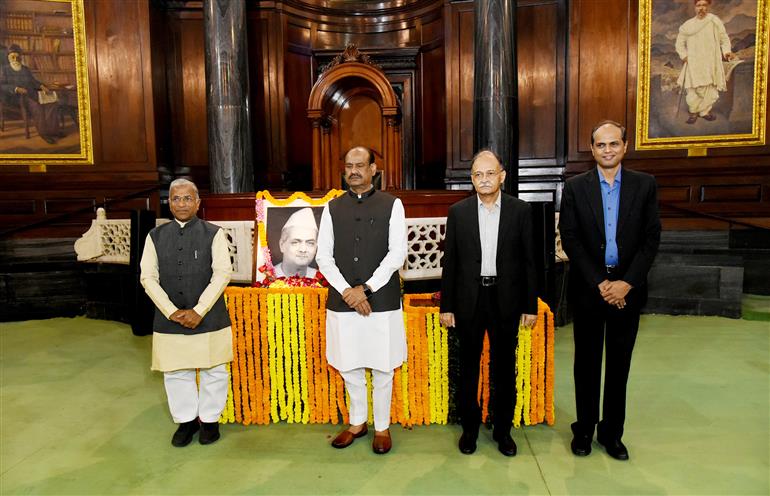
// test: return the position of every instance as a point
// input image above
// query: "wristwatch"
(368, 291)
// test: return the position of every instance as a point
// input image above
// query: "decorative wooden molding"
(351, 54)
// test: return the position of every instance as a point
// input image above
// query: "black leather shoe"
(184, 433)
(209, 432)
(614, 447)
(506, 445)
(467, 443)
(581, 445)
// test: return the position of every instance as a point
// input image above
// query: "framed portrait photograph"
(287, 234)
(292, 237)
(702, 79)
(45, 113)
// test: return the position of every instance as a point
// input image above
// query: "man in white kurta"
(185, 268)
(702, 44)
(361, 246)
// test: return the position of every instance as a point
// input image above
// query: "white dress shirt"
(489, 223)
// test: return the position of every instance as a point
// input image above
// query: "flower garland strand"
(264, 397)
(295, 357)
(288, 415)
(280, 369)
(549, 367)
(250, 413)
(304, 383)
(273, 357)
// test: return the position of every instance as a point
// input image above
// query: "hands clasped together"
(357, 300)
(188, 318)
(614, 292)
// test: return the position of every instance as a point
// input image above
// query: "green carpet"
(81, 413)
(756, 307)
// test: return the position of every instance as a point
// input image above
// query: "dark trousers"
(502, 348)
(598, 325)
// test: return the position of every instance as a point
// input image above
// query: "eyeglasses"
(183, 199)
(488, 174)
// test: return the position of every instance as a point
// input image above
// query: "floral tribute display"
(279, 371)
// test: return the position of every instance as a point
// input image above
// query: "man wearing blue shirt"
(610, 229)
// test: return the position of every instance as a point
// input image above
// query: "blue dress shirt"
(611, 203)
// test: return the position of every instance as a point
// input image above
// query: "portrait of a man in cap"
(297, 244)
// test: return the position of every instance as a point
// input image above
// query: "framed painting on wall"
(702, 78)
(45, 114)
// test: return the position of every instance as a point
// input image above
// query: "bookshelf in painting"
(47, 43)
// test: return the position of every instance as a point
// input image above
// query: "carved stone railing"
(109, 241)
(424, 236)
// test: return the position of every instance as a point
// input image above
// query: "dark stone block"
(676, 281)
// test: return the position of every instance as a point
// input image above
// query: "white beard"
(16, 66)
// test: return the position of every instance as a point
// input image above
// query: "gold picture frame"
(717, 98)
(45, 112)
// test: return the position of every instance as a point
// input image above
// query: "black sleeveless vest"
(184, 265)
(360, 243)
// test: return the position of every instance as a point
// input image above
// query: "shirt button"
(355, 259)
(358, 238)
(179, 262)
(180, 248)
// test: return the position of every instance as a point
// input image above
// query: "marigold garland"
(280, 369)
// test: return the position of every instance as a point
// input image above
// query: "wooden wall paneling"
(410, 123)
(124, 81)
(431, 131)
(459, 89)
(274, 47)
(541, 39)
(195, 153)
(537, 36)
(599, 31)
(174, 95)
(299, 81)
(159, 53)
(731, 193)
(258, 67)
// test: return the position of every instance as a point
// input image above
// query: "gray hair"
(487, 151)
(183, 182)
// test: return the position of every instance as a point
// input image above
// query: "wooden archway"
(352, 104)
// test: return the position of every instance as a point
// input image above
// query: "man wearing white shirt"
(702, 44)
(185, 269)
(361, 246)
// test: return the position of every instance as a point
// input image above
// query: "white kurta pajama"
(702, 42)
(178, 355)
(377, 341)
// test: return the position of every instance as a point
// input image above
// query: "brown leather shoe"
(382, 442)
(346, 438)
